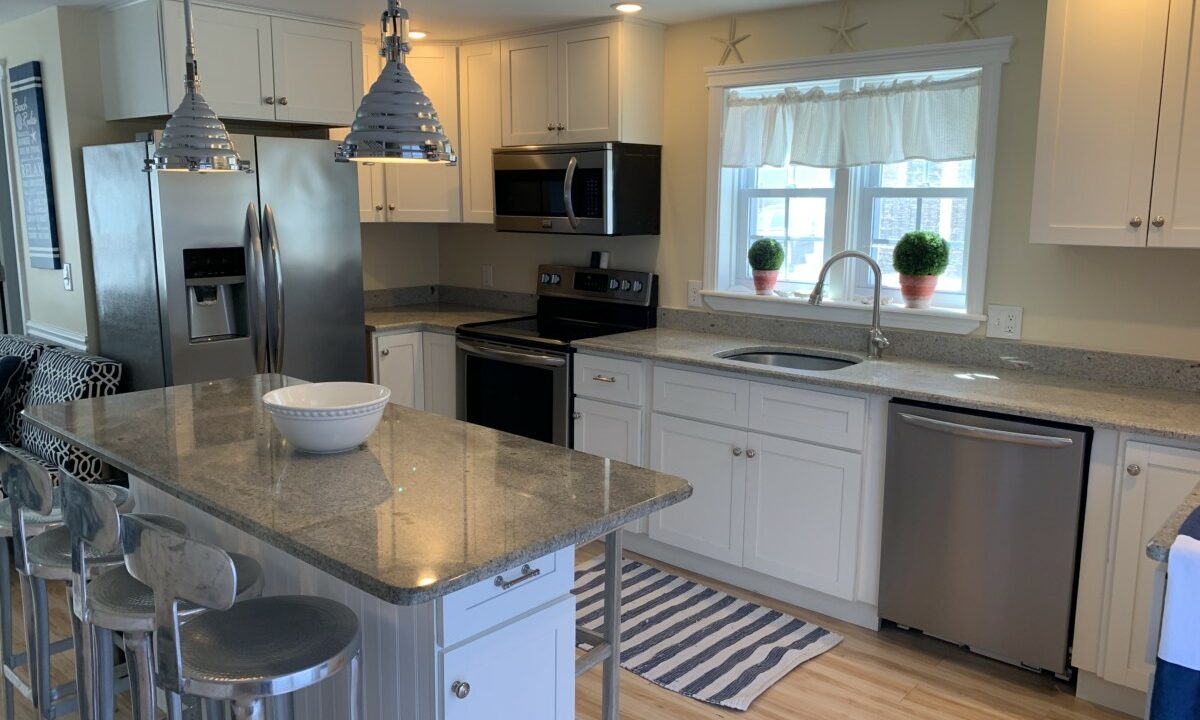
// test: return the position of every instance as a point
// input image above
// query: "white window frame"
(990, 55)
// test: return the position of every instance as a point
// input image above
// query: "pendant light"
(396, 121)
(195, 139)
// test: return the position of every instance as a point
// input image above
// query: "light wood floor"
(891, 675)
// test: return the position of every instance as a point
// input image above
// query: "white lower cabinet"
(440, 356)
(802, 510)
(523, 670)
(607, 430)
(420, 368)
(713, 460)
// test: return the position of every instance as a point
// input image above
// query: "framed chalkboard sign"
(33, 163)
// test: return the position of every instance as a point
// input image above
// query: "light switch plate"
(694, 299)
(1004, 321)
(487, 276)
(68, 283)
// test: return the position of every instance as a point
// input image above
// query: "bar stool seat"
(36, 524)
(259, 647)
(50, 552)
(118, 602)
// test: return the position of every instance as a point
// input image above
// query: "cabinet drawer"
(808, 415)
(487, 603)
(611, 379)
(697, 396)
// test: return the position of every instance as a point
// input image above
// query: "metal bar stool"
(115, 602)
(246, 652)
(20, 522)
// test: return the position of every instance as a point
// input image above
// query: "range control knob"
(614, 284)
(545, 278)
(637, 285)
(625, 284)
(555, 279)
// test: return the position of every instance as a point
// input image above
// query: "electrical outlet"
(1004, 321)
(68, 283)
(487, 276)
(694, 299)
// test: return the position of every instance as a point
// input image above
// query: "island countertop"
(427, 506)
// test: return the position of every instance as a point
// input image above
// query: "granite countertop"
(1169, 414)
(427, 506)
(436, 317)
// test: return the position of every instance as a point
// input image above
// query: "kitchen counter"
(434, 317)
(427, 506)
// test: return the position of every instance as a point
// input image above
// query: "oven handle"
(520, 358)
(568, 186)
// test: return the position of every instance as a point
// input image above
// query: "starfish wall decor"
(967, 19)
(731, 43)
(843, 29)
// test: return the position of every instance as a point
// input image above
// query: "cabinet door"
(802, 512)
(370, 185)
(441, 376)
(429, 192)
(611, 431)
(234, 51)
(713, 460)
(398, 367)
(522, 670)
(479, 111)
(318, 72)
(1147, 496)
(1102, 76)
(529, 90)
(1177, 162)
(588, 77)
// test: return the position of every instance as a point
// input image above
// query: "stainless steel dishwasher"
(981, 527)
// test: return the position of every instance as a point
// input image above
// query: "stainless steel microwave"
(585, 189)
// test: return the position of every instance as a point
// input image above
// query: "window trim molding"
(990, 54)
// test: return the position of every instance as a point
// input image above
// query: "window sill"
(934, 319)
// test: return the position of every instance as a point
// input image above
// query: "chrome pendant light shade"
(195, 139)
(396, 121)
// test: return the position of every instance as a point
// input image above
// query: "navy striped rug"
(697, 641)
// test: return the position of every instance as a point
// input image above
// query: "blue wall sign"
(33, 164)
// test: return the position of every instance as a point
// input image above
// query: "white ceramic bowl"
(327, 417)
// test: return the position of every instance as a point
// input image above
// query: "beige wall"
(75, 117)
(397, 255)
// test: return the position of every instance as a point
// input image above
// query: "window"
(853, 162)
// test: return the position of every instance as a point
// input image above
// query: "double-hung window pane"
(794, 206)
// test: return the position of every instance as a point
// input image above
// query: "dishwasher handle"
(979, 433)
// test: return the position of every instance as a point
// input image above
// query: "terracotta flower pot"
(918, 289)
(764, 281)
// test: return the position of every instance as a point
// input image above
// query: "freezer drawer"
(981, 531)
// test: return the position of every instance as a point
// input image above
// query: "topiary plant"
(921, 253)
(766, 254)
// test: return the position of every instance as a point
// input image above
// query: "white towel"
(1180, 641)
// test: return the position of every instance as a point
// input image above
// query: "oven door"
(554, 191)
(515, 389)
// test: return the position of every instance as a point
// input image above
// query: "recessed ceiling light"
(416, 35)
(625, 7)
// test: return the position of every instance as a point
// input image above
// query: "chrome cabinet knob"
(576, 416)
(737, 452)
(751, 453)
(560, 127)
(269, 100)
(1134, 469)
(1158, 221)
(550, 127)
(460, 689)
(1136, 222)
(385, 352)
(378, 207)
(283, 101)
(391, 206)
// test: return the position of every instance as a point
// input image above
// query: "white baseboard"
(1110, 695)
(857, 613)
(59, 336)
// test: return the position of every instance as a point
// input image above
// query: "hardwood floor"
(890, 675)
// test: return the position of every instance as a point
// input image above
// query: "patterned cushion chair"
(30, 351)
(61, 376)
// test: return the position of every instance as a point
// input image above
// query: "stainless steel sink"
(793, 360)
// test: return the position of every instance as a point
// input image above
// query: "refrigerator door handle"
(258, 272)
(273, 243)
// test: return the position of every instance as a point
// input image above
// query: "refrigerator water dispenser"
(216, 293)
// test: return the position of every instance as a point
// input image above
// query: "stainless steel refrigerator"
(205, 276)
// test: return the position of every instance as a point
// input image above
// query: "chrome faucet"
(878, 341)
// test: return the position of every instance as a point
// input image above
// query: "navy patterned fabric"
(30, 351)
(1176, 693)
(62, 376)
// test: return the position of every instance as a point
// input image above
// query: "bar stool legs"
(6, 644)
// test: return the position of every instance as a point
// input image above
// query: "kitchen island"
(453, 543)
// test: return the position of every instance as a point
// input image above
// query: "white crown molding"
(57, 335)
(248, 9)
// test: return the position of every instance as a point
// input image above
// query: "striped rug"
(697, 641)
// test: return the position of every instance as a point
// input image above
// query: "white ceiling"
(458, 19)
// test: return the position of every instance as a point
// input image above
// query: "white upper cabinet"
(1118, 118)
(479, 120)
(589, 84)
(253, 65)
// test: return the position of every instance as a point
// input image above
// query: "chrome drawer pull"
(527, 573)
(604, 378)
(460, 689)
